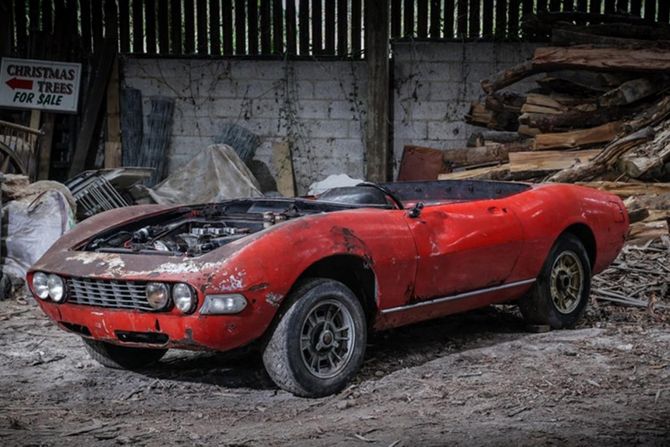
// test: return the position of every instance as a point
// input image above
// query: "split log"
(498, 172)
(578, 138)
(588, 58)
(495, 136)
(642, 232)
(496, 153)
(572, 119)
(509, 77)
(505, 102)
(660, 201)
(570, 36)
(630, 92)
(650, 117)
(548, 161)
(605, 159)
(529, 131)
(479, 115)
(637, 215)
(578, 81)
(647, 157)
(625, 189)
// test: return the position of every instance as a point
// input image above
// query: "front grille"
(105, 293)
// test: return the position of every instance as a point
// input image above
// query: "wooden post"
(377, 123)
(113, 144)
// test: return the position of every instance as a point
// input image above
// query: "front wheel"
(122, 357)
(319, 343)
(560, 294)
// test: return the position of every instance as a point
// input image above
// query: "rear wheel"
(122, 357)
(560, 294)
(319, 343)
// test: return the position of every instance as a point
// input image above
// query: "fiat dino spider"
(306, 279)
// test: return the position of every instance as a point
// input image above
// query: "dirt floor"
(472, 379)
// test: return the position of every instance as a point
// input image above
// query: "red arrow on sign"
(24, 84)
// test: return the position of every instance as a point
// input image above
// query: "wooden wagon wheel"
(9, 163)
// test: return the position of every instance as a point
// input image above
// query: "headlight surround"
(56, 287)
(158, 295)
(184, 298)
(223, 304)
(41, 285)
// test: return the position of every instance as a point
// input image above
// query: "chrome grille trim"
(107, 293)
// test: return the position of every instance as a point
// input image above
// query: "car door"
(464, 247)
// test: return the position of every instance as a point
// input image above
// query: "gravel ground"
(471, 379)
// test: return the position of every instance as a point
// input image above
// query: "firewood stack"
(599, 115)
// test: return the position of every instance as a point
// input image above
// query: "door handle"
(496, 210)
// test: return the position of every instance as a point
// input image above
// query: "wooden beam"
(549, 160)
(377, 122)
(113, 156)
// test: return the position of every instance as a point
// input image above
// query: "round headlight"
(183, 297)
(41, 285)
(56, 288)
(158, 295)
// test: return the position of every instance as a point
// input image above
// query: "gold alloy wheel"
(566, 282)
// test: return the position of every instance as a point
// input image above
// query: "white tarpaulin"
(215, 174)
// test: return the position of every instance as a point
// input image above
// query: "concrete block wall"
(434, 84)
(318, 107)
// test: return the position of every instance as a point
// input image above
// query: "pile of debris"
(600, 115)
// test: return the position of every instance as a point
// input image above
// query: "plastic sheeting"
(332, 181)
(34, 223)
(215, 174)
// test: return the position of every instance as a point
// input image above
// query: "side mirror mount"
(415, 211)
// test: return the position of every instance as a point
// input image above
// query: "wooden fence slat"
(34, 16)
(568, 5)
(96, 24)
(356, 29)
(501, 19)
(554, 5)
(475, 17)
(85, 10)
(47, 16)
(291, 28)
(124, 25)
(138, 26)
(342, 28)
(304, 26)
(266, 26)
(396, 18)
(163, 28)
(214, 28)
(150, 22)
(189, 27)
(422, 19)
(408, 19)
(650, 10)
(526, 7)
(622, 6)
(595, 6)
(21, 25)
(542, 5)
(513, 20)
(317, 40)
(176, 46)
(240, 27)
(610, 6)
(487, 19)
(435, 16)
(201, 26)
(663, 11)
(330, 27)
(582, 5)
(449, 19)
(252, 22)
(278, 26)
(462, 19)
(636, 7)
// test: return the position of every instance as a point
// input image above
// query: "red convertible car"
(306, 279)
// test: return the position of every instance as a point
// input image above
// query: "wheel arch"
(586, 236)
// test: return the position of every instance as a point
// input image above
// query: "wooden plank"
(617, 59)
(113, 158)
(150, 13)
(47, 17)
(554, 5)
(6, 28)
(462, 19)
(34, 16)
(622, 6)
(176, 46)
(189, 26)
(578, 138)
(201, 26)
(356, 29)
(636, 7)
(527, 7)
(163, 28)
(663, 11)
(582, 5)
(542, 5)
(92, 108)
(329, 37)
(378, 75)
(650, 10)
(304, 26)
(396, 18)
(124, 26)
(283, 164)
(501, 19)
(138, 26)
(96, 24)
(240, 27)
(215, 28)
(266, 26)
(422, 19)
(549, 160)
(475, 16)
(610, 6)
(317, 33)
(435, 15)
(278, 25)
(342, 28)
(626, 189)
(227, 26)
(486, 172)
(568, 5)
(111, 21)
(21, 26)
(291, 29)
(408, 18)
(449, 18)
(513, 19)
(252, 23)
(85, 23)
(595, 6)
(487, 19)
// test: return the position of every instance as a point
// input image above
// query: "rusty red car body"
(454, 254)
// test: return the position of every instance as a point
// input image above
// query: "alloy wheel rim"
(327, 338)
(567, 282)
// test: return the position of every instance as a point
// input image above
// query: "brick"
(312, 108)
(326, 128)
(342, 110)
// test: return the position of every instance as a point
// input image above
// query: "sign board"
(39, 85)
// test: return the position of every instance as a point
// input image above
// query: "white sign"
(42, 85)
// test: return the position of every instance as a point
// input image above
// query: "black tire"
(297, 340)
(122, 357)
(548, 302)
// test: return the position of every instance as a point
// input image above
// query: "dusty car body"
(406, 252)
